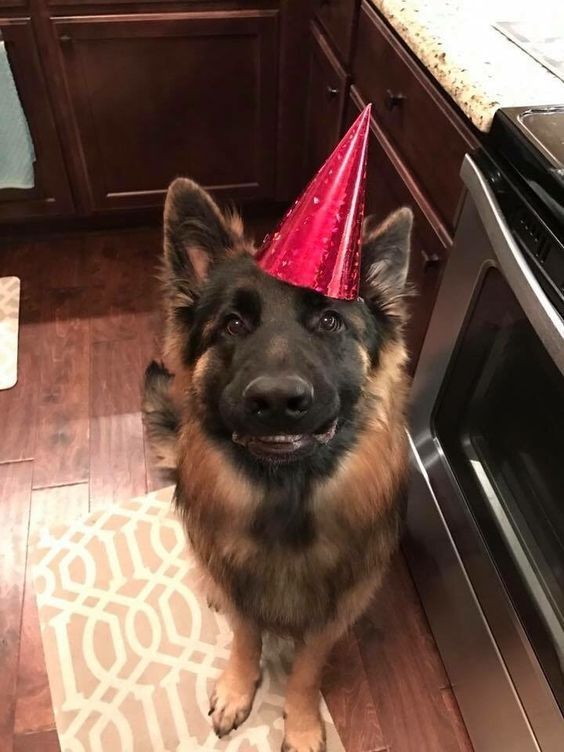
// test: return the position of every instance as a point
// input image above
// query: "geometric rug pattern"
(9, 324)
(131, 647)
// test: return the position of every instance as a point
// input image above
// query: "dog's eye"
(235, 326)
(330, 322)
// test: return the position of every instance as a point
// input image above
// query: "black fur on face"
(278, 370)
(250, 326)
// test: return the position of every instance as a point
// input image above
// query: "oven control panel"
(543, 249)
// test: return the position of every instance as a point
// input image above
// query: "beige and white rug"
(9, 324)
(131, 648)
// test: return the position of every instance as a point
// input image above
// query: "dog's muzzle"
(286, 447)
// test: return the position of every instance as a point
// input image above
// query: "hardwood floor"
(72, 440)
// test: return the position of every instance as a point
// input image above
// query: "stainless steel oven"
(485, 516)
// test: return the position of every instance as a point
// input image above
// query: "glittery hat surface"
(317, 244)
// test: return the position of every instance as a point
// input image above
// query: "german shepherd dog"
(281, 412)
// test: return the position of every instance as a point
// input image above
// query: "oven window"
(500, 422)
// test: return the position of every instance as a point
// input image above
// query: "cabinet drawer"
(386, 191)
(426, 129)
(337, 17)
(327, 93)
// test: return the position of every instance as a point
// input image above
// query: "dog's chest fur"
(293, 584)
(288, 561)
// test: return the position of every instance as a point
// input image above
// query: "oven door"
(485, 519)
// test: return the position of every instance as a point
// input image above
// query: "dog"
(281, 414)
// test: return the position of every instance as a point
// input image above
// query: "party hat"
(317, 244)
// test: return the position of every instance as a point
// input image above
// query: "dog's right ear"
(385, 260)
(195, 236)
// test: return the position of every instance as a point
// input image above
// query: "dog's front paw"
(231, 702)
(304, 737)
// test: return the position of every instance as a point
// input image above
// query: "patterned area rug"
(9, 324)
(131, 648)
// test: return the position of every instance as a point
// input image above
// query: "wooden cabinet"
(388, 187)
(328, 89)
(426, 130)
(13, 4)
(51, 194)
(156, 96)
(124, 96)
(418, 137)
(337, 18)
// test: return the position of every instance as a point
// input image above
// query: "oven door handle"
(539, 310)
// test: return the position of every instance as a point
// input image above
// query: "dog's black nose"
(268, 397)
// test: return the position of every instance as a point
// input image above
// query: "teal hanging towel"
(17, 154)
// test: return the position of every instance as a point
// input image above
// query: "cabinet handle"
(332, 92)
(65, 38)
(430, 260)
(394, 100)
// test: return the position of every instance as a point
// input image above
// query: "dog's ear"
(385, 258)
(196, 234)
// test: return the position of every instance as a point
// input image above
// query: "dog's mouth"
(285, 447)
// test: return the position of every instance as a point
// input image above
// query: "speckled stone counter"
(473, 62)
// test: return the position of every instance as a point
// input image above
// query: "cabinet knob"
(332, 92)
(65, 38)
(430, 260)
(394, 100)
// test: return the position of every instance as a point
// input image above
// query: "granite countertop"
(473, 62)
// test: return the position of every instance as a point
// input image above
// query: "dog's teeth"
(282, 438)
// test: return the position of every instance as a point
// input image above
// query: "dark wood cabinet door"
(388, 187)
(13, 4)
(423, 125)
(327, 92)
(338, 19)
(51, 194)
(155, 96)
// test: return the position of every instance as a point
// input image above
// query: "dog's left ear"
(196, 234)
(385, 257)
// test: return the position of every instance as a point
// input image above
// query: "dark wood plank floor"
(71, 440)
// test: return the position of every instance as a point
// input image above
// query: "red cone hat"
(317, 244)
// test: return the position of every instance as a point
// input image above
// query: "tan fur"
(232, 698)
(219, 508)
(235, 223)
(373, 471)
(356, 517)
(221, 499)
(216, 489)
(364, 359)
(303, 727)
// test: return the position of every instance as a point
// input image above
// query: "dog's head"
(276, 373)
